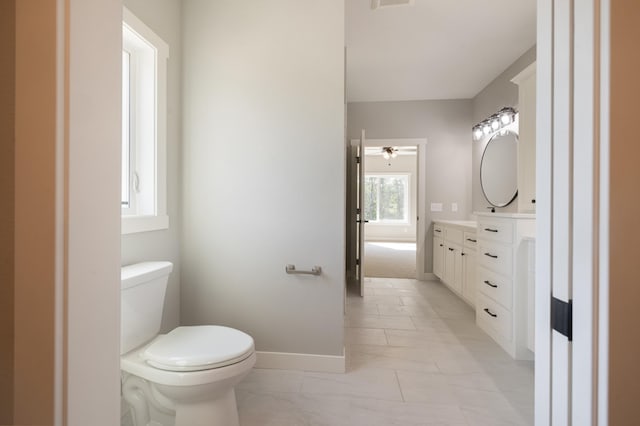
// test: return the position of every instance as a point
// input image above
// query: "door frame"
(573, 374)
(421, 211)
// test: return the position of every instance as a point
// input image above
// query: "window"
(144, 112)
(386, 198)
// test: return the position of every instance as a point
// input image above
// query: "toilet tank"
(142, 291)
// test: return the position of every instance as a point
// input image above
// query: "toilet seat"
(198, 348)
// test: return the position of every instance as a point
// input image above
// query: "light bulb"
(505, 118)
(495, 124)
(394, 153)
(385, 154)
(477, 133)
(486, 129)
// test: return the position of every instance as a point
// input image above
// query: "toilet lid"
(198, 348)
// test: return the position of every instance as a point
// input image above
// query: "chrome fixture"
(496, 122)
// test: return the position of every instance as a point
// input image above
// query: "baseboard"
(303, 362)
(428, 276)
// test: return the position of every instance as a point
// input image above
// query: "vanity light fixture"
(496, 122)
(389, 152)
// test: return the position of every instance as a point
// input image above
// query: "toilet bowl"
(185, 377)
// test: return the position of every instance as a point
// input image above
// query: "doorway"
(390, 206)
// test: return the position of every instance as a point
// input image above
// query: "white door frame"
(421, 211)
(572, 210)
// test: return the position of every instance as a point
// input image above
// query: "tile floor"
(414, 357)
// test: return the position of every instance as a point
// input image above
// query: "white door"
(568, 191)
(360, 215)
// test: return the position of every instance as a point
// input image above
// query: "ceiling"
(433, 49)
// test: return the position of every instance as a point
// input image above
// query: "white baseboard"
(304, 362)
(428, 276)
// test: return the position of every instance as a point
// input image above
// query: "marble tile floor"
(414, 357)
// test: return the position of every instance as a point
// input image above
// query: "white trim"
(303, 362)
(524, 74)
(544, 92)
(135, 224)
(428, 276)
(602, 382)
(153, 215)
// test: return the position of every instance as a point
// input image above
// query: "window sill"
(136, 224)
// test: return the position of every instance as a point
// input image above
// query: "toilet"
(185, 377)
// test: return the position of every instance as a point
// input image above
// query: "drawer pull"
(490, 313)
(463, 254)
(437, 230)
(450, 249)
(493, 256)
(441, 245)
(490, 285)
(490, 230)
(472, 240)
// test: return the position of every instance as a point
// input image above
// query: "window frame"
(407, 202)
(148, 128)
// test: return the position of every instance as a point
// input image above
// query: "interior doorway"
(390, 210)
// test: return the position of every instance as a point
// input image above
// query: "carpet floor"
(390, 260)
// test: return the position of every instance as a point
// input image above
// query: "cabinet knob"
(463, 254)
(441, 245)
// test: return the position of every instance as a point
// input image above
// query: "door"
(438, 257)
(469, 276)
(360, 214)
(572, 94)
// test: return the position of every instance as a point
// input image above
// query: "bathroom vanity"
(454, 256)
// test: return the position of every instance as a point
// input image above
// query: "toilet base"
(221, 411)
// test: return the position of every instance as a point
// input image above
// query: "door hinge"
(358, 210)
(357, 160)
(562, 317)
(357, 262)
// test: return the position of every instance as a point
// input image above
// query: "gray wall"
(446, 126)
(164, 18)
(499, 93)
(264, 170)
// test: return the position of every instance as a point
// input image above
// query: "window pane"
(126, 59)
(387, 198)
(392, 198)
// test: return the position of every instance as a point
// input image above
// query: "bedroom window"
(386, 198)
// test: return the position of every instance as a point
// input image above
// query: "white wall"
(263, 169)
(403, 164)
(93, 197)
(164, 18)
(446, 175)
(500, 93)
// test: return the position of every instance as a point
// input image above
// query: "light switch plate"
(454, 207)
(436, 207)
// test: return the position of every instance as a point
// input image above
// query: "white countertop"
(467, 224)
(510, 215)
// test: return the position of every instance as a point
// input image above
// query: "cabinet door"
(453, 267)
(469, 277)
(438, 257)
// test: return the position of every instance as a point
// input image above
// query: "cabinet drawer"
(491, 315)
(470, 240)
(495, 257)
(453, 235)
(495, 230)
(495, 286)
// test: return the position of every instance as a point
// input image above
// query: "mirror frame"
(515, 195)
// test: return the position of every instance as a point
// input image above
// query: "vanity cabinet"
(502, 304)
(454, 257)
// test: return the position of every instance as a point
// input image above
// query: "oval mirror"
(499, 169)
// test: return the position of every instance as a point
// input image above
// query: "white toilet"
(186, 377)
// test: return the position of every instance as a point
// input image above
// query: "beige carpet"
(390, 260)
